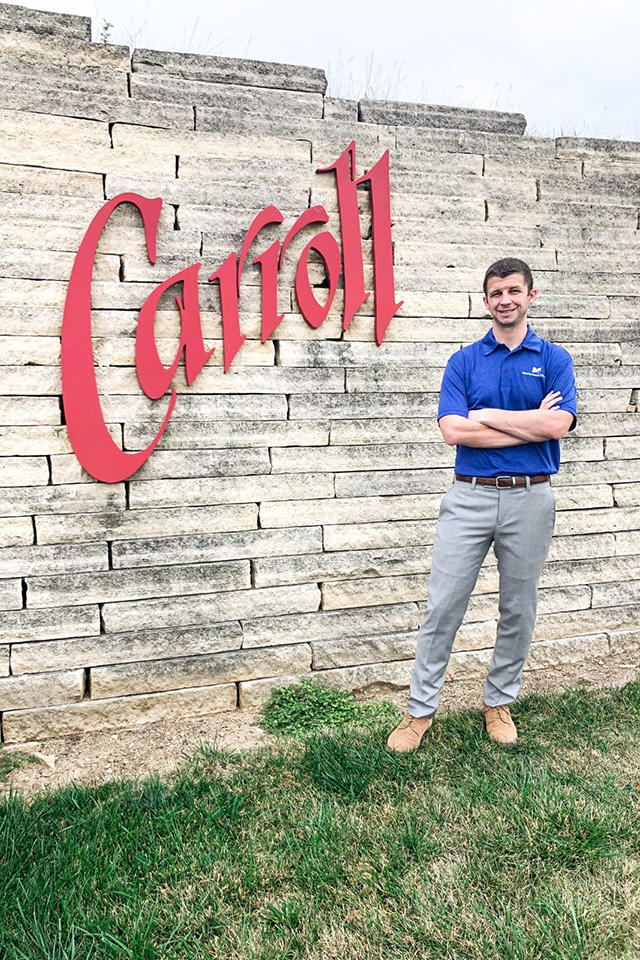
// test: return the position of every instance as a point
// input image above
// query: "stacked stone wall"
(283, 527)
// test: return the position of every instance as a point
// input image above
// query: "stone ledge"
(44, 22)
(251, 73)
(400, 113)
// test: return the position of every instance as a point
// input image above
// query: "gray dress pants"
(519, 521)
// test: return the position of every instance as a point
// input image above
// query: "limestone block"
(582, 497)
(328, 654)
(373, 591)
(598, 620)
(572, 522)
(625, 643)
(556, 305)
(443, 184)
(469, 256)
(199, 490)
(378, 431)
(591, 331)
(567, 650)
(335, 108)
(558, 599)
(627, 543)
(210, 608)
(610, 425)
(25, 179)
(228, 70)
(28, 411)
(59, 47)
(115, 107)
(630, 352)
(619, 448)
(10, 594)
(354, 406)
(201, 408)
(42, 127)
(124, 647)
(584, 354)
(77, 588)
(4, 660)
(616, 593)
(39, 723)
(416, 162)
(44, 23)
(219, 546)
(16, 531)
(395, 483)
(365, 536)
(597, 401)
(205, 463)
(319, 353)
(626, 494)
(252, 693)
(330, 625)
(348, 510)
(118, 524)
(420, 329)
(64, 499)
(536, 164)
(395, 456)
(607, 471)
(23, 625)
(41, 690)
(565, 211)
(237, 379)
(579, 449)
(89, 157)
(153, 675)
(168, 143)
(23, 471)
(588, 570)
(430, 115)
(16, 441)
(394, 380)
(120, 352)
(229, 434)
(586, 148)
(60, 558)
(404, 207)
(357, 563)
(582, 547)
(475, 636)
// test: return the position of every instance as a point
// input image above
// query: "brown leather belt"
(505, 481)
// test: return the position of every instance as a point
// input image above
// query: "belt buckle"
(505, 476)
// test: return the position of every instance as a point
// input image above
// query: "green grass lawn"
(328, 847)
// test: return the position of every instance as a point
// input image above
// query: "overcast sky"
(572, 67)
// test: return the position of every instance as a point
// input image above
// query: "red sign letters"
(97, 452)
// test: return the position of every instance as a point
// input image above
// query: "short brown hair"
(502, 268)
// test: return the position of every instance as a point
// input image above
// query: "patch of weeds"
(309, 707)
(11, 760)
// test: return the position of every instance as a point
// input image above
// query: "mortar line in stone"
(35, 533)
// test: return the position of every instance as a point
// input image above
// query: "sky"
(572, 67)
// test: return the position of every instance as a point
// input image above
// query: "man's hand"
(529, 426)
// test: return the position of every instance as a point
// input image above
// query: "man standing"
(505, 402)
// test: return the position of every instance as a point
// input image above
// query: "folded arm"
(529, 426)
(457, 429)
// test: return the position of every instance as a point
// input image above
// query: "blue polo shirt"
(488, 374)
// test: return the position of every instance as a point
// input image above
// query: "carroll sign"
(89, 437)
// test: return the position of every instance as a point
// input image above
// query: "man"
(505, 402)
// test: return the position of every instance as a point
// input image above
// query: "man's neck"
(512, 337)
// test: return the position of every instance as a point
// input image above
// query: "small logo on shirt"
(534, 372)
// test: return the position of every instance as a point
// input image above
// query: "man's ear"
(532, 296)
(486, 303)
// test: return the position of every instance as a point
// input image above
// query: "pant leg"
(464, 533)
(524, 530)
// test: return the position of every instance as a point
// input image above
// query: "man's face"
(508, 300)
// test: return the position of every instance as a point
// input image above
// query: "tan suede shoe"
(408, 735)
(499, 725)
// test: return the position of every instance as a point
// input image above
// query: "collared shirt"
(488, 374)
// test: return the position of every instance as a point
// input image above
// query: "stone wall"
(283, 527)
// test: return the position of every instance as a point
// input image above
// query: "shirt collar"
(531, 341)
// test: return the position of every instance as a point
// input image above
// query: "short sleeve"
(564, 381)
(453, 391)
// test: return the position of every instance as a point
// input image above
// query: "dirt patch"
(160, 747)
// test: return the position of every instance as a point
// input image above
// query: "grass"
(329, 847)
